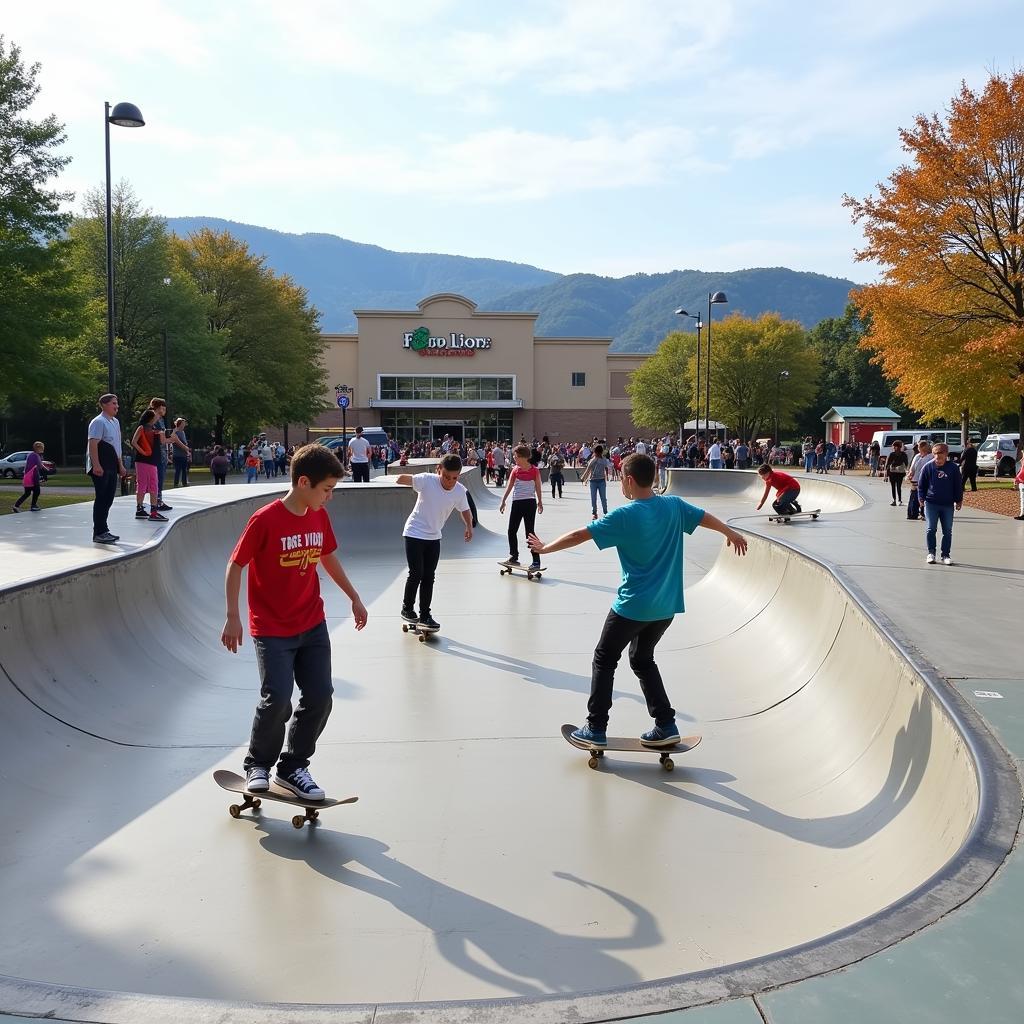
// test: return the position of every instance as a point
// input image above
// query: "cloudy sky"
(609, 136)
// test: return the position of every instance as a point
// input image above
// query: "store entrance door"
(438, 428)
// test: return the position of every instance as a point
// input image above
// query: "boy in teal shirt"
(648, 535)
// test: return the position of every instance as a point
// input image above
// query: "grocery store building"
(448, 368)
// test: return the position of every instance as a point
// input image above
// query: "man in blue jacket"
(940, 488)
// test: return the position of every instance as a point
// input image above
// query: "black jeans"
(896, 486)
(524, 510)
(971, 477)
(106, 488)
(641, 638)
(220, 478)
(422, 556)
(557, 480)
(287, 661)
(34, 491)
(360, 472)
(785, 503)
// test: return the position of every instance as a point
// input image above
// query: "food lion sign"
(454, 344)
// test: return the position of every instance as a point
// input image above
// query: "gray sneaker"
(257, 780)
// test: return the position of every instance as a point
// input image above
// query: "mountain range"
(636, 311)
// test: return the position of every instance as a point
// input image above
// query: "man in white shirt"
(437, 496)
(359, 457)
(641, 448)
(715, 455)
(499, 464)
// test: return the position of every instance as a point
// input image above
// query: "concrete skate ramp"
(824, 492)
(484, 860)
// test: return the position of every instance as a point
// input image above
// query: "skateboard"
(814, 513)
(686, 743)
(423, 633)
(236, 784)
(530, 570)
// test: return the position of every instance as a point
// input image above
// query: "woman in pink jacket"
(33, 478)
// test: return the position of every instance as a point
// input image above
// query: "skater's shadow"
(709, 788)
(552, 678)
(509, 952)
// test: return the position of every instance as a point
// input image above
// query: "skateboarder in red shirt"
(282, 544)
(787, 487)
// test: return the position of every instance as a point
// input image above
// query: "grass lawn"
(8, 498)
(987, 483)
(77, 478)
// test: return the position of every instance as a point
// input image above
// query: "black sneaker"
(36, 508)
(104, 538)
(511, 561)
(155, 517)
(427, 622)
(409, 615)
(141, 513)
(161, 507)
(301, 784)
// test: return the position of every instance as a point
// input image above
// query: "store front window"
(431, 425)
(431, 388)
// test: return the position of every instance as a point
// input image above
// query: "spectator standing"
(267, 458)
(940, 489)
(920, 460)
(969, 465)
(895, 470)
(556, 464)
(500, 461)
(219, 466)
(146, 443)
(252, 466)
(32, 478)
(597, 473)
(743, 455)
(715, 455)
(1019, 481)
(180, 455)
(104, 465)
(808, 453)
(874, 453)
(359, 458)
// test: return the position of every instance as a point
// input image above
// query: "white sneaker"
(257, 780)
(930, 559)
(947, 560)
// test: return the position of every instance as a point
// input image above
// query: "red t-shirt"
(282, 551)
(782, 481)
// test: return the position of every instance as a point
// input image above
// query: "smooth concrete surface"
(837, 797)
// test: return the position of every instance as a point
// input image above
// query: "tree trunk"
(218, 428)
(63, 442)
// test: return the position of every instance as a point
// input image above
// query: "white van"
(885, 439)
(998, 454)
(951, 438)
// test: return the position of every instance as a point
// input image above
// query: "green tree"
(150, 298)
(662, 388)
(41, 309)
(269, 332)
(749, 358)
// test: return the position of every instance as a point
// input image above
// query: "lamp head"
(718, 297)
(681, 312)
(127, 115)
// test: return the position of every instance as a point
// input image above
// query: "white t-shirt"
(715, 451)
(641, 448)
(433, 506)
(359, 449)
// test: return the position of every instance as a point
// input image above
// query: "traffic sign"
(344, 401)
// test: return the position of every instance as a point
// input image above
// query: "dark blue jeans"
(106, 488)
(785, 503)
(286, 662)
(934, 515)
(641, 638)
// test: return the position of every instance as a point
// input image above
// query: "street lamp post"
(783, 375)
(698, 325)
(167, 359)
(713, 298)
(127, 115)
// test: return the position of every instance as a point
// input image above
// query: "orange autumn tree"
(948, 231)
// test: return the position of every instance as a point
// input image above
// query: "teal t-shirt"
(649, 537)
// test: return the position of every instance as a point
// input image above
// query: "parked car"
(13, 465)
(998, 454)
(374, 435)
(952, 438)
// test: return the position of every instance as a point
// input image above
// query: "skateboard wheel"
(593, 762)
(598, 753)
(234, 810)
(405, 629)
(668, 764)
(423, 638)
(256, 804)
(298, 821)
(314, 815)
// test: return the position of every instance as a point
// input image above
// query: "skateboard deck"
(686, 743)
(813, 513)
(236, 784)
(530, 570)
(423, 633)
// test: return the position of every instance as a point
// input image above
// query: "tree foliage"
(748, 358)
(41, 308)
(948, 229)
(268, 330)
(145, 307)
(662, 388)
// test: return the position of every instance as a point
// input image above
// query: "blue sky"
(608, 136)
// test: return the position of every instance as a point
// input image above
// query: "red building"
(857, 422)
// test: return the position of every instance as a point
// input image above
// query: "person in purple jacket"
(33, 477)
(941, 489)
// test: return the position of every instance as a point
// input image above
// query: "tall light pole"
(698, 325)
(783, 375)
(167, 361)
(127, 115)
(713, 298)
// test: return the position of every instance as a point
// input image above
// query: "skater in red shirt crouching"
(787, 487)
